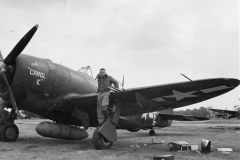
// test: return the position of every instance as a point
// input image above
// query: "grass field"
(223, 133)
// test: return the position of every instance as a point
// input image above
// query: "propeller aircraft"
(234, 113)
(69, 98)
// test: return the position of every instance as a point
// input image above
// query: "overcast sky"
(150, 42)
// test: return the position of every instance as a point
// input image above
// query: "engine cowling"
(60, 131)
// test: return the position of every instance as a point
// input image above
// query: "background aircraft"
(69, 97)
(234, 113)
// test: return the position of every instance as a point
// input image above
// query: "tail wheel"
(151, 132)
(99, 141)
(9, 132)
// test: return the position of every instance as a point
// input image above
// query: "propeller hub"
(10, 60)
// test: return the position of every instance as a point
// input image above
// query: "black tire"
(151, 132)
(9, 132)
(99, 141)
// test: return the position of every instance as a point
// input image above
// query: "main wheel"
(151, 132)
(9, 132)
(99, 141)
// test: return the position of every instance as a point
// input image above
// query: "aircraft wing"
(178, 117)
(223, 111)
(159, 97)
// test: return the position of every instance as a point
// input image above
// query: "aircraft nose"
(233, 82)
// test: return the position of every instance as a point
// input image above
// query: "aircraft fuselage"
(39, 83)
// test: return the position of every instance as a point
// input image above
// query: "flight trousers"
(102, 104)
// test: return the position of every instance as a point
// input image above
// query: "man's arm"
(115, 82)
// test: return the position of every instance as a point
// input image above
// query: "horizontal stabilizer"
(179, 117)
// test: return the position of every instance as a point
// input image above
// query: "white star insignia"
(180, 95)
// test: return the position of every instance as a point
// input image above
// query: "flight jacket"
(105, 82)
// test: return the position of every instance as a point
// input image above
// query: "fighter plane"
(69, 98)
(228, 114)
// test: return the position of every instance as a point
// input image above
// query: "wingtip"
(233, 82)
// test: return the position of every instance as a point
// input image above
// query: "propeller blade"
(20, 46)
(123, 81)
(1, 57)
(10, 92)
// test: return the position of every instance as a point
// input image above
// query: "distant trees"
(211, 114)
(202, 112)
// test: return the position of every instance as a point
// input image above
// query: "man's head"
(102, 72)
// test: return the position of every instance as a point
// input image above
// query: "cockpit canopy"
(86, 70)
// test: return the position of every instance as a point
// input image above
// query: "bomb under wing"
(60, 131)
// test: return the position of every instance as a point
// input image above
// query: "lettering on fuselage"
(34, 64)
(37, 74)
(38, 80)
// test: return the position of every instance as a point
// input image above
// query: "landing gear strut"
(105, 135)
(8, 130)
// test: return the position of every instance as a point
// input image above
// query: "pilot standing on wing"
(104, 81)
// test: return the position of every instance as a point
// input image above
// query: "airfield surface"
(223, 133)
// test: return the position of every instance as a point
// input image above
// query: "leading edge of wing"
(158, 97)
(179, 117)
(87, 102)
(176, 92)
(231, 82)
(173, 95)
(76, 96)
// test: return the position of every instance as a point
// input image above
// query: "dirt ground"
(223, 133)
